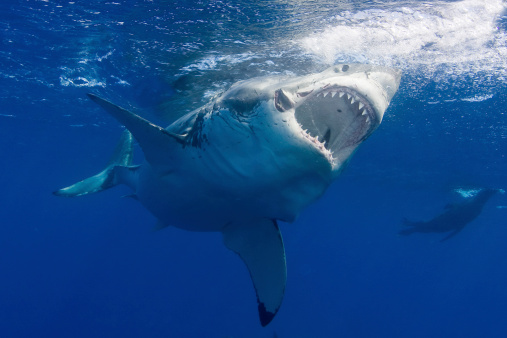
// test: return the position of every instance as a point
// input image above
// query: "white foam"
(214, 61)
(478, 98)
(80, 82)
(430, 33)
(441, 42)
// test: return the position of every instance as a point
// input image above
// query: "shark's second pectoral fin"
(155, 141)
(259, 244)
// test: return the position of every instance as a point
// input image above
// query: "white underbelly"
(200, 203)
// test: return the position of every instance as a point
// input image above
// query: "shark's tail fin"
(107, 178)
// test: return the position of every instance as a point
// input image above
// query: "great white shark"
(259, 153)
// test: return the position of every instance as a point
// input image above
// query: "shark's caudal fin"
(154, 140)
(109, 177)
(260, 246)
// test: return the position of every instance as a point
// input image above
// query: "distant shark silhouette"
(259, 153)
(454, 218)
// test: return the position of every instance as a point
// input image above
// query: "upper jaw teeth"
(349, 97)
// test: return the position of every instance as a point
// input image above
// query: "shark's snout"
(388, 79)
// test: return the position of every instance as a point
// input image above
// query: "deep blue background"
(92, 266)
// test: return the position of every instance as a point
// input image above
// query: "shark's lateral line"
(259, 153)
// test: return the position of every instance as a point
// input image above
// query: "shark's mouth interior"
(338, 117)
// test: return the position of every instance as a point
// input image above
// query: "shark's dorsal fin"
(153, 139)
(259, 244)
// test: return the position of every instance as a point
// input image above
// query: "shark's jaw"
(334, 118)
(331, 112)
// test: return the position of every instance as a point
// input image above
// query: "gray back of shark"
(259, 153)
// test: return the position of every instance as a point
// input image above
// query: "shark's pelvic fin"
(259, 244)
(153, 139)
(107, 178)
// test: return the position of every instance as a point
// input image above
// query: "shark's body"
(259, 153)
(454, 218)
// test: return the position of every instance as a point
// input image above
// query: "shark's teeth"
(364, 113)
(367, 119)
(319, 94)
(352, 100)
(348, 96)
(325, 94)
(341, 94)
(333, 94)
(361, 106)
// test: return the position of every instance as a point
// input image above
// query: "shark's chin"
(336, 118)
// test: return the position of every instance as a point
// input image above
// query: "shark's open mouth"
(337, 117)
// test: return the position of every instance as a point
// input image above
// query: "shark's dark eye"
(345, 68)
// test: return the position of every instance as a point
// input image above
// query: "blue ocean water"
(93, 267)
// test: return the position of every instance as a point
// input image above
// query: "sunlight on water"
(176, 60)
(447, 33)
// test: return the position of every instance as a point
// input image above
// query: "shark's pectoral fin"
(259, 244)
(109, 177)
(154, 140)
